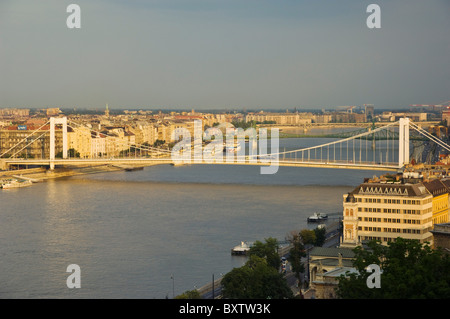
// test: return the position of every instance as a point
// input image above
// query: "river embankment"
(42, 174)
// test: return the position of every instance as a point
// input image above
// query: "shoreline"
(43, 174)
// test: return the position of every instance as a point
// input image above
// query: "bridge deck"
(167, 161)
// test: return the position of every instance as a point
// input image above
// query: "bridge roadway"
(141, 162)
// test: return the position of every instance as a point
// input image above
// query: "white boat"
(15, 184)
(241, 249)
(317, 217)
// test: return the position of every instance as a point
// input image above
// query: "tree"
(320, 236)
(267, 250)
(159, 143)
(190, 294)
(308, 236)
(244, 125)
(255, 280)
(410, 270)
(295, 256)
(71, 152)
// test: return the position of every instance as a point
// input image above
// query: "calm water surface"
(131, 231)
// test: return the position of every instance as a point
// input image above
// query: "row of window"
(441, 204)
(396, 230)
(395, 210)
(389, 239)
(394, 201)
(395, 220)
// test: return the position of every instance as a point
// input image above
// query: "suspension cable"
(25, 138)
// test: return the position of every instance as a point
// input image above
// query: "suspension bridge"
(384, 148)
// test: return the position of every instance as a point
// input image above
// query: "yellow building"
(80, 139)
(441, 202)
(144, 133)
(117, 140)
(385, 211)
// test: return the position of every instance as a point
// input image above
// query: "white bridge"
(369, 150)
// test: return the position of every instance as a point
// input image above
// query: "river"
(154, 233)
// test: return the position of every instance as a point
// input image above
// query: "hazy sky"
(200, 54)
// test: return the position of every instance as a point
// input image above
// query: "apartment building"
(14, 112)
(281, 118)
(28, 145)
(385, 211)
(98, 145)
(144, 133)
(80, 140)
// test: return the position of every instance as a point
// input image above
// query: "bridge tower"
(53, 122)
(403, 142)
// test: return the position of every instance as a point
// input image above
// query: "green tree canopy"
(71, 152)
(410, 270)
(320, 236)
(267, 250)
(308, 236)
(190, 294)
(255, 280)
(295, 255)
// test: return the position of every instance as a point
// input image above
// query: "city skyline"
(223, 55)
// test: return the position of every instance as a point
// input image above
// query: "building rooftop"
(442, 229)
(332, 252)
(340, 271)
(333, 262)
(410, 190)
(436, 187)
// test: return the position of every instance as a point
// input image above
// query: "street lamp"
(173, 285)
(213, 284)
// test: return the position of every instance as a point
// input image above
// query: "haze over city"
(219, 54)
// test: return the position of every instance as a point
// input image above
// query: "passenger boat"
(242, 249)
(317, 217)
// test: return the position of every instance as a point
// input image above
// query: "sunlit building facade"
(382, 211)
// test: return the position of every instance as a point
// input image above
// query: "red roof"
(29, 128)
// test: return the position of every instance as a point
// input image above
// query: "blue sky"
(204, 54)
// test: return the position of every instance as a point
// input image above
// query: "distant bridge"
(353, 124)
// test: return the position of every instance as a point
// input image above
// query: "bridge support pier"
(403, 142)
(53, 122)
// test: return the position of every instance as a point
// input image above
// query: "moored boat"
(317, 217)
(12, 183)
(242, 249)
